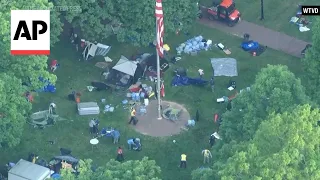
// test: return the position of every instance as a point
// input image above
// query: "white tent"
(25, 170)
(126, 66)
(92, 50)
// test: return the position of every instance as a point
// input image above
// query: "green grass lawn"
(74, 133)
(277, 14)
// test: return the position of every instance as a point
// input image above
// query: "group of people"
(206, 153)
(134, 144)
(93, 125)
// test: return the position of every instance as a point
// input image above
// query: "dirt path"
(264, 36)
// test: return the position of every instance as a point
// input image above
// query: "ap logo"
(30, 32)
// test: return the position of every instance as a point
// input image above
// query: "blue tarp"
(250, 46)
(55, 176)
(185, 81)
(49, 87)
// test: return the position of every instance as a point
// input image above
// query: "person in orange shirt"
(54, 65)
(120, 157)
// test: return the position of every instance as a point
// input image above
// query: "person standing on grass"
(133, 116)
(120, 157)
(206, 156)
(116, 136)
(92, 125)
(197, 115)
(183, 161)
(212, 84)
(130, 143)
(201, 73)
(54, 65)
(77, 41)
(212, 140)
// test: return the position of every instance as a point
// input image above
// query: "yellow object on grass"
(166, 47)
(152, 94)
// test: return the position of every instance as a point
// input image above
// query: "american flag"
(160, 27)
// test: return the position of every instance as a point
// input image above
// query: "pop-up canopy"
(126, 66)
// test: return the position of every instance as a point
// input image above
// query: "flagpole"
(158, 80)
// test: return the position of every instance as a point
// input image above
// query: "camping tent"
(25, 170)
(92, 50)
(124, 73)
(125, 66)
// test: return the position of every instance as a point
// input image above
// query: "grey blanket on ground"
(224, 67)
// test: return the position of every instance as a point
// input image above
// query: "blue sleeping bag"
(250, 46)
(48, 86)
(185, 81)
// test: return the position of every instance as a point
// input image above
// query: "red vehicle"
(223, 10)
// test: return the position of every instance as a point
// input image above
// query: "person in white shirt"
(201, 73)
(92, 125)
(52, 108)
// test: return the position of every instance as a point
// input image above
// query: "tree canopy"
(132, 21)
(311, 63)
(13, 108)
(14, 70)
(286, 146)
(275, 89)
(129, 170)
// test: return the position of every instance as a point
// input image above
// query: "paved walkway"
(264, 36)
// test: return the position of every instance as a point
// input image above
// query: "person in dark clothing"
(76, 41)
(155, 91)
(71, 96)
(212, 140)
(212, 84)
(71, 35)
(229, 106)
(120, 157)
(197, 115)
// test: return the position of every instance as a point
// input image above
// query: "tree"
(132, 21)
(275, 89)
(26, 67)
(14, 70)
(311, 63)
(202, 174)
(286, 146)
(13, 108)
(139, 26)
(93, 18)
(130, 170)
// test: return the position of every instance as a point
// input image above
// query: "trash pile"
(301, 21)
(138, 92)
(108, 107)
(194, 45)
